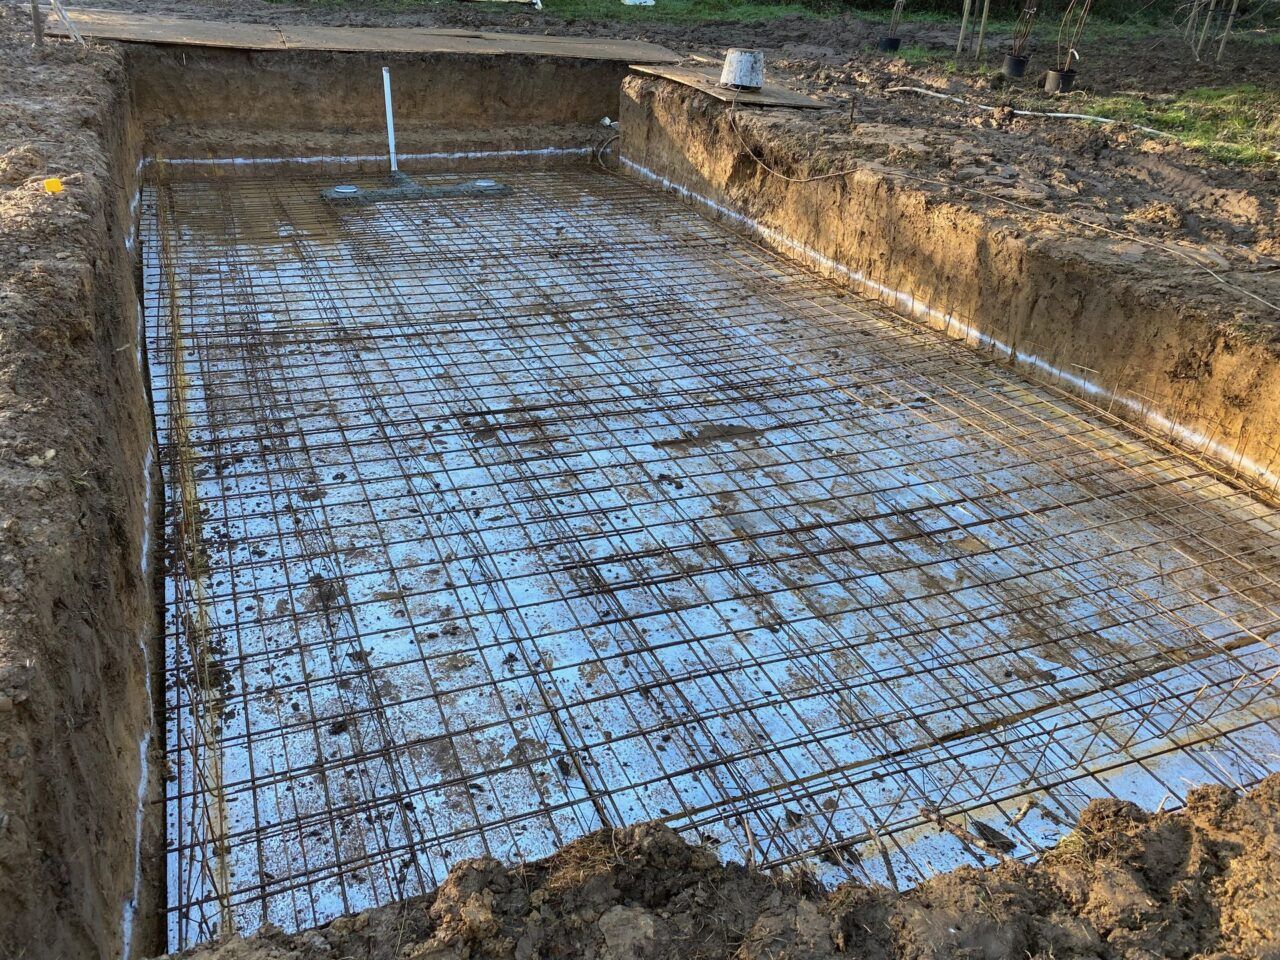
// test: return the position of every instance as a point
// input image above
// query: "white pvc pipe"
(391, 123)
(1030, 113)
(366, 157)
(964, 23)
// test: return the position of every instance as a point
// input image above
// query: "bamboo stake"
(1192, 19)
(1231, 18)
(982, 29)
(964, 21)
(896, 20)
(1204, 30)
(37, 22)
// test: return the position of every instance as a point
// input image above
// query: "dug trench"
(82, 740)
(81, 680)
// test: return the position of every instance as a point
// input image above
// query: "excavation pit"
(592, 474)
(494, 520)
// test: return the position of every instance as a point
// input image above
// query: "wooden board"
(149, 28)
(708, 81)
(153, 28)
(414, 40)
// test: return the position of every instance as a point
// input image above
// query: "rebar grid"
(494, 521)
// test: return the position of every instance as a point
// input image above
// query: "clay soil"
(1123, 884)
(73, 604)
(1133, 194)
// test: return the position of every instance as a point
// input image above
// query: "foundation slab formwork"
(493, 520)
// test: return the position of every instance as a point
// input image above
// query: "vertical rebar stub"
(743, 69)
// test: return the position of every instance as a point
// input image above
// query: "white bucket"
(743, 69)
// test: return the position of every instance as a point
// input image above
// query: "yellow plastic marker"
(53, 185)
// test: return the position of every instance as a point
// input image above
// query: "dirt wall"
(1140, 333)
(75, 603)
(197, 101)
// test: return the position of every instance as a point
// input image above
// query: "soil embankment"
(75, 604)
(1123, 884)
(1167, 334)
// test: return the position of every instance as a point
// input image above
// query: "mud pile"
(1123, 884)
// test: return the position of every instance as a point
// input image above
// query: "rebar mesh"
(494, 521)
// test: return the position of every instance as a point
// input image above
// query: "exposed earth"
(1123, 884)
(1139, 194)
(74, 604)
(1152, 64)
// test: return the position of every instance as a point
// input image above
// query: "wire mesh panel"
(495, 520)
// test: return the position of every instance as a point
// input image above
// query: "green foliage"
(917, 55)
(1234, 124)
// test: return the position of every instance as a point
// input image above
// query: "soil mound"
(1124, 883)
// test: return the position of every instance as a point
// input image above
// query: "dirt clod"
(1123, 884)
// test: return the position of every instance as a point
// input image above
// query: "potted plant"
(891, 42)
(1062, 79)
(1015, 62)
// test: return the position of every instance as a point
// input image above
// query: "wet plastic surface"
(490, 521)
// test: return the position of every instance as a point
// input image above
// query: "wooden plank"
(383, 40)
(708, 81)
(152, 28)
(415, 40)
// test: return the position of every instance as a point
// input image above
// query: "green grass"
(919, 56)
(1234, 124)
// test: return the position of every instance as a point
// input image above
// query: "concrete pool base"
(498, 520)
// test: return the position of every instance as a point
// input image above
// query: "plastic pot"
(889, 44)
(1014, 66)
(1059, 81)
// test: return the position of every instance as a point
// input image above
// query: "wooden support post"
(1204, 30)
(1231, 18)
(964, 22)
(982, 28)
(37, 22)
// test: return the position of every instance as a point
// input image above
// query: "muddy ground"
(1110, 183)
(1152, 63)
(74, 603)
(1124, 884)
